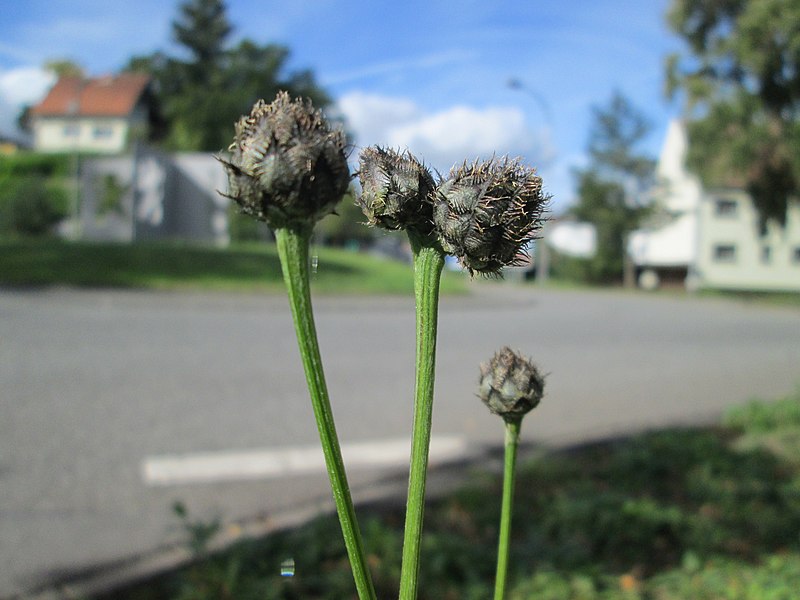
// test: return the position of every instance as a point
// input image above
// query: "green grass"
(667, 515)
(781, 299)
(252, 267)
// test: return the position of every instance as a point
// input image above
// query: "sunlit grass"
(252, 267)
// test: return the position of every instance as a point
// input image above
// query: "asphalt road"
(93, 383)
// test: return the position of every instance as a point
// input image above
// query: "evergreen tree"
(740, 79)
(202, 96)
(202, 28)
(609, 190)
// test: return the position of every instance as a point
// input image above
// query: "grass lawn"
(253, 267)
(675, 514)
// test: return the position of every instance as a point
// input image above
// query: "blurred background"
(662, 292)
(665, 131)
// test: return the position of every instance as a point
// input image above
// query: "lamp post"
(73, 110)
(541, 253)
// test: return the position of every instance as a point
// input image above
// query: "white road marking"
(209, 467)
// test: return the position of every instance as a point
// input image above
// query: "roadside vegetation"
(672, 514)
(34, 193)
(179, 266)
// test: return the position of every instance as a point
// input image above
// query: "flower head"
(510, 385)
(396, 190)
(287, 166)
(486, 213)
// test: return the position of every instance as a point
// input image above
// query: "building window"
(766, 255)
(71, 130)
(725, 207)
(102, 132)
(725, 253)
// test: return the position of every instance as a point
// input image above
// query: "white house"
(98, 115)
(731, 252)
(711, 238)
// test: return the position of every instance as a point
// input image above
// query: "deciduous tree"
(740, 78)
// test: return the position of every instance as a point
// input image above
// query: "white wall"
(669, 238)
(678, 190)
(103, 135)
(733, 255)
(163, 197)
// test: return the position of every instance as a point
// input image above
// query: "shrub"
(757, 416)
(31, 206)
(30, 163)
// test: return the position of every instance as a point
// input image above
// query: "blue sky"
(430, 76)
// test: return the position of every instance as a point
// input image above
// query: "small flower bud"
(396, 190)
(287, 166)
(487, 212)
(510, 385)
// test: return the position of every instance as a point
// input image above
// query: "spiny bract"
(287, 166)
(486, 213)
(510, 385)
(396, 190)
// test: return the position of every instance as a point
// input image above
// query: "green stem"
(511, 443)
(428, 263)
(293, 252)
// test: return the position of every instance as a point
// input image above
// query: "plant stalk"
(509, 475)
(293, 251)
(428, 263)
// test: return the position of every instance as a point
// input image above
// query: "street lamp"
(516, 84)
(541, 254)
(74, 123)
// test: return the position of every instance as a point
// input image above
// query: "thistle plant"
(511, 386)
(288, 168)
(485, 214)
(397, 194)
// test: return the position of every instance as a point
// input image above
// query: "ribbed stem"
(293, 252)
(428, 263)
(511, 443)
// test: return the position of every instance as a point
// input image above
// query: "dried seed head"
(510, 385)
(287, 166)
(396, 190)
(486, 213)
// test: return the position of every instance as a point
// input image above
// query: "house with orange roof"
(98, 115)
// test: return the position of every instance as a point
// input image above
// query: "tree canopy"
(202, 95)
(64, 67)
(202, 27)
(615, 134)
(740, 79)
(610, 187)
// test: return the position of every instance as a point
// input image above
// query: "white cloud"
(20, 86)
(445, 137)
(25, 84)
(466, 132)
(370, 116)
